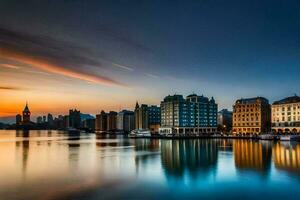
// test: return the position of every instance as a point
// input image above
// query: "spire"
(26, 109)
(137, 105)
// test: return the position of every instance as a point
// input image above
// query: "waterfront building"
(44, 119)
(147, 117)
(154, 118)
(193, 115)
(89, 124)
(50, 119)
(141, 116)
(252, 115)
(286, 115)
(74, 119)
(101, 121)
(26, 115)
(112, 121)
(225, 120)
(39, 119)
(125, 121)
(66, 122)
(18, 119)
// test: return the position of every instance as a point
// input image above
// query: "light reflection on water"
(55, 165)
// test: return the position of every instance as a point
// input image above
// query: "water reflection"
(22, 150)
(286, 156)
(252, 155)
(94, 166)
(192, 156)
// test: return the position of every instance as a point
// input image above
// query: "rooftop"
(252, 100)
(292, 99)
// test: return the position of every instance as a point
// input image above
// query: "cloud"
(151, 75)
(50, 55)
(38, 72)
(121, 37)
(9, 88)
(10, 66)
(123, 66)
(56, 69)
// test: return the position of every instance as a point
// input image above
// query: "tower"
(26, 114)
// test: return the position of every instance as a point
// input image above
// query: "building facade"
(154, 118)
(18, 119)
(193, 115)
(89, 124)
(101, 122)
(286, 115)
(74, 119)
(141, 116)
(225, 120)
(112, 121)
(125, 121)
(251, 116)
(26, 115)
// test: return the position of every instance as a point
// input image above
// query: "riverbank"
(258, 137)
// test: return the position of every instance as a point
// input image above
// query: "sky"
(106, 55)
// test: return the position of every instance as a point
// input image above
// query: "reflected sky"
(55, 165)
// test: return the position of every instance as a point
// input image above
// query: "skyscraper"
(74, 119)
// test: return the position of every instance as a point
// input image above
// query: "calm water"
(54, 165)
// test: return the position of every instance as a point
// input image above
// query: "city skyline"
(99, 56)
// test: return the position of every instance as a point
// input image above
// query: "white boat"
(289, 137)
(139, 133)
(266, 137)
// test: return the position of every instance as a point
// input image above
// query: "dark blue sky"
(226, 49)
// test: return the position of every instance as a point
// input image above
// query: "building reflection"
(22, 148)
(286, 156)
(106, 140)
(193, 156)
(252, 155)
(146, 145)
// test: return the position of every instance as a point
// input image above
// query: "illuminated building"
(193, 115)
(252, 115)
(286, 115)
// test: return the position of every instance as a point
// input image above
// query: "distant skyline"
(106, 55)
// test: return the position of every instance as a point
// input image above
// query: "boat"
(266, 137)
(139, 133)
(289, 137)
